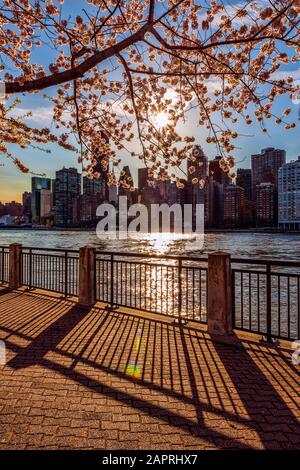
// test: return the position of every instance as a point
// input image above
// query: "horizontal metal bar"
(154, 256)
(53, 250)
(253, 261)
(266, 262)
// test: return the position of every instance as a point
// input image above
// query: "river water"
(155, 286)
(239, 244)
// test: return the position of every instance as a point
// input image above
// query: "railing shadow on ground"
(212, 381)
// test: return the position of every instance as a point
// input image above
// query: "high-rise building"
(216, 172)
(244, 180)
(233, 206)
(95, 186)
(174, 195)
(37, 184)
(265, 166)
(67, 188)
(85, 209)
(46, 203)
(289, 196)
(85, 205)
(266, 205)
(248, 209)
(26, 201)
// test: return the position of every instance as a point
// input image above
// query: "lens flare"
(133, 369)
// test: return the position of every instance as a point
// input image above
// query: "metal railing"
(54, 270)
(265, 293)
(4, 264)
(168, 285)
(266, 297)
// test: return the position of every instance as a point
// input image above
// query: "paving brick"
(68, 385)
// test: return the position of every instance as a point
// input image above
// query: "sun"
(161, 119)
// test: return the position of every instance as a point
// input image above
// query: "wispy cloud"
(284, 74)
(41, 115)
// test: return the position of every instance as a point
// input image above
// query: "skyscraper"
(265, 166)
(67, 188)
(289, 196)
(244, 180)
(26, 201)
(46, 202)
(233, 206)
(37, 184)
(95, 186)
(266, 205)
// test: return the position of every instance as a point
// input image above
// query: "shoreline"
(92, 229)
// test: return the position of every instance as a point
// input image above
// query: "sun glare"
(161, 119)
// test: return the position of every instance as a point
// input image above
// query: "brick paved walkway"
(111, 380)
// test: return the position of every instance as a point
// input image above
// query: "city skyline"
(267, 195)
(22, 182)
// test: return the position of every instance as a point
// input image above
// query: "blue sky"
(13, 183)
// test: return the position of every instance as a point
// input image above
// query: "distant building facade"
(233, 206)
(244, 180)
(37, 184)
(94, 186)
(266, 205)
(289, 196)
(26, 202)
(67, 189)
(46, 203)
(265, 166)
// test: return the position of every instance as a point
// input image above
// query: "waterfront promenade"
(102, 378)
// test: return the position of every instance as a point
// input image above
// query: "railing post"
(66, 274)
(219, 314)
(30, 268)
(15, 252)
(269, 300)
(2, 265)
(87, 276)
(179, 289)
(112, 280)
